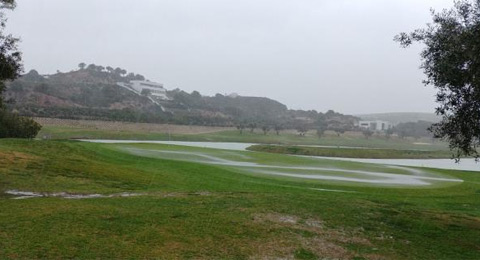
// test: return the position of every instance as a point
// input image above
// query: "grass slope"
(201, 211)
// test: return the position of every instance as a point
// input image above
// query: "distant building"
(155, 90)
(376, 125)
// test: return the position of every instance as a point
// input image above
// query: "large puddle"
(413, 177)
(464, 164)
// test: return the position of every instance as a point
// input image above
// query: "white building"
(376, 125)
(142, 87)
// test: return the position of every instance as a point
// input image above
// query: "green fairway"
(207, 203)
(370, 153)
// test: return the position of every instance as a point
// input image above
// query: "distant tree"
(265, 129)
(451, 62)
(320, 132)
(82, 65)
(302, 129)
(100, 68)
(252, 126)
(413, 129)
(109, 69)
(195, 94)
(322, 125)
(139, 77)
(92, 67)
(278, 128)
(240, 127)
(388, 133)
(367, 133)
(131, 76)
(339, 131)
(118, 71)
(146, 92)
(337, 126)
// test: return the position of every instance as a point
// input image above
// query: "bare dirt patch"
(309, 234)
(15, 159)
(11, 157)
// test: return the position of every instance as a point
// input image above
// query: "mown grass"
(373, 153)
(193, 210)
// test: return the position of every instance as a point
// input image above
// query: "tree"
(367, 133)
(131, 76)
(11, 125)
(109, 69)
(265, 129)
(451, 62)
(240, 127)
(82, 65)
(278, 128)
(388, 133)
(10, 56)
(252, 126)
(322, 125)
(302, 129)
(413, 129)
(139, 77)
(118, 71)
(146, 92)
(92, 67)
(14, 126)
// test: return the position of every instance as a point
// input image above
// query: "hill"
(402, 117)
(104, 93)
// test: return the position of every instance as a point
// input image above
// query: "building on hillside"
(376, 125)
(148, 88)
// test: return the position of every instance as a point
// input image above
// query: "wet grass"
(203, 211)
(353, 153)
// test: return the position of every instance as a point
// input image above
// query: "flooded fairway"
(311, 169)
(448, 164)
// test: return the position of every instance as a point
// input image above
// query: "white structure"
(376, 125)
(233, 95)
(154, 91)
(148, 88)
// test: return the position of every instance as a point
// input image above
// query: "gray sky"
(308, 54)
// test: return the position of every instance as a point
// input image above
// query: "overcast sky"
(308, 54)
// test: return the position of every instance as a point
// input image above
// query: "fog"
(324, 54)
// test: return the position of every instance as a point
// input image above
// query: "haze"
(331, 54)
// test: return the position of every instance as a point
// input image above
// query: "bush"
(15, 126)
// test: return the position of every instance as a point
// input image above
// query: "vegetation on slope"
(91, 92)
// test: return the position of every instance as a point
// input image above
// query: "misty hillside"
(96, 92)
(404, 117)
